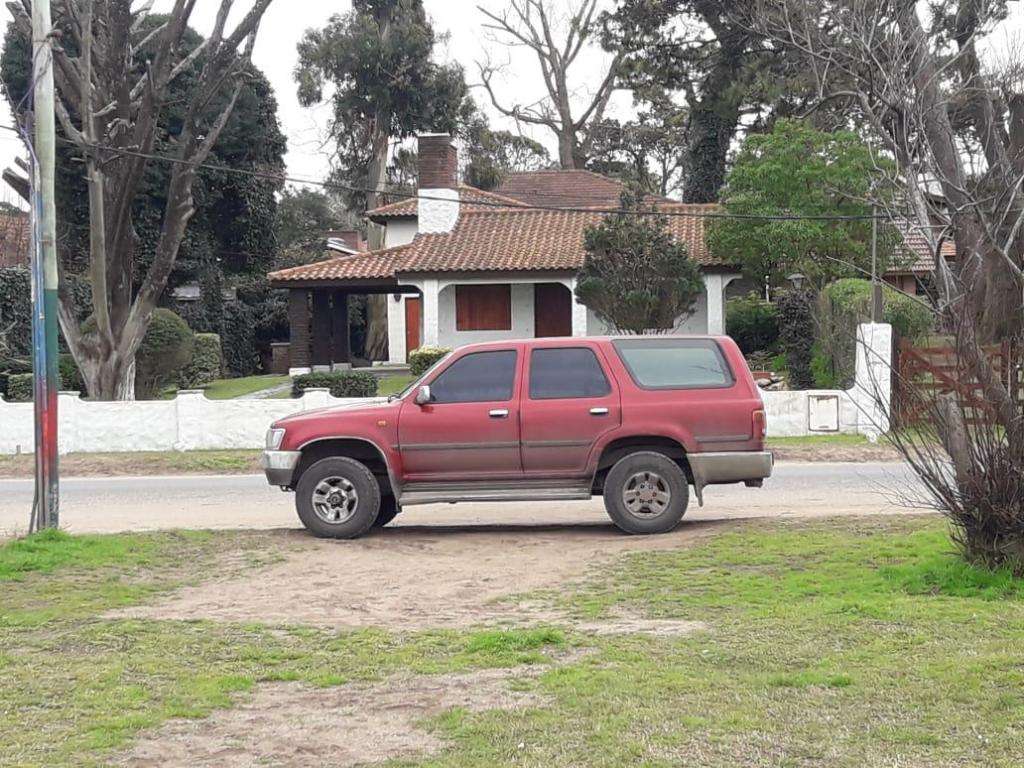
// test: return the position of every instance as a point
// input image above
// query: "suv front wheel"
(646, 492)
(338, 498)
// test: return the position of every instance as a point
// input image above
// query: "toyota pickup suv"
(635, 419)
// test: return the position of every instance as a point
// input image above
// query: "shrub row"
(340, 383)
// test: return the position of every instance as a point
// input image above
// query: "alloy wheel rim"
(335, 500)
(646, 495)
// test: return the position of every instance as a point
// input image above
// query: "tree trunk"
(109, 380)
(567, 151)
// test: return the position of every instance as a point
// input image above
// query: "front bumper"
(279, 466)
(730, 467)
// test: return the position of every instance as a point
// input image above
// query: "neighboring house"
(914, 264)
(463, 265)
(15, 239)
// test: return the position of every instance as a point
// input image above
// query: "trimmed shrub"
(206, 362)
(752, 322)
(19, 388)
(796, 336)
(165, 352)
(340, 383)
(424, 358)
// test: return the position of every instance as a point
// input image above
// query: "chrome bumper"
(279, 466)
(730, 467)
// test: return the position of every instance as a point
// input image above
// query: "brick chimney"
(438, 183)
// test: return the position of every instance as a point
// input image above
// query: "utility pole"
(876, 286)
(44, 269)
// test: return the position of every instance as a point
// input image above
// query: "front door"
(413, 308)
(568, 403)
(470, 429)
(552, 310)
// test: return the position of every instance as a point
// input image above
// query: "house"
(914, 264)
(462, 265)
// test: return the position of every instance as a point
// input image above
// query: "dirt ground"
(411, 578)
(287, 724)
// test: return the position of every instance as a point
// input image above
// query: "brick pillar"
(342, 357)
(298, 321)
(321, 329)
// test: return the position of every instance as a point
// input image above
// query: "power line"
(337, 186)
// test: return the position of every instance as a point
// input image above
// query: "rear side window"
(481, 377)
(675, 363)
(566, 373)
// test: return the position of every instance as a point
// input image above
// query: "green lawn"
(392, 385)
(838, 642)
(228, 389)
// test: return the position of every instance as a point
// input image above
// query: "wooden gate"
(924, 372)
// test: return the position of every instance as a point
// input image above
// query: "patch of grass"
(392, 385)
(51, 549)
(228, 389)
(141, 463)
(811, 441)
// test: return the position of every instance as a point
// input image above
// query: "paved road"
(148, 503)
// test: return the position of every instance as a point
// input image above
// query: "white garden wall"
(188, 423)
(192, 422)
(863, 409)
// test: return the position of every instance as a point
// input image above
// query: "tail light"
(760, 424)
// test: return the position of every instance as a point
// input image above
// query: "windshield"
(416, 383)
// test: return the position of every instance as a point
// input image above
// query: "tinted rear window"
(566, 373)
(675, 363)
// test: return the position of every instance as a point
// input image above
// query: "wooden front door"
(412, 323)
(552, 309)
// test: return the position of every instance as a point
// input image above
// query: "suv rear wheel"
(338, 498)
(646, 492)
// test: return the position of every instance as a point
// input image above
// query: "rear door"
(470, 429)
(569, 400)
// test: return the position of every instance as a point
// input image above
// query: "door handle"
(598, 411)
(499, 413)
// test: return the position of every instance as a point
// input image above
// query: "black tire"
(651, 511)
(356, 507)
(389, 510)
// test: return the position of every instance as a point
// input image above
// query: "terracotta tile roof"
(564, 189)
(916, 256)
(15, 237)
(501, 240)
(470, 197)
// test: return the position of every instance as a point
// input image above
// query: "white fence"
(192, 422)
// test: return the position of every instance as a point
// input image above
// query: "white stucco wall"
(188, 423)
(399, 232)
(863, 409)
(438, 210)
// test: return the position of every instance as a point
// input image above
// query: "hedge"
(752, 322)
(164, 353)
(340, 383)
(19, 388)
(206, 365)
(421, 360)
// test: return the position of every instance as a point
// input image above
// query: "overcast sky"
(275, 54)
(468, 42)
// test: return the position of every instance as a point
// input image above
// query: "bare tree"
(557, 44)
(955, 129)
(112, 73)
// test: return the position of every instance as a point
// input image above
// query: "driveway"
(107, 505)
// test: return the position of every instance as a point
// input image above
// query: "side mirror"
(423, 396)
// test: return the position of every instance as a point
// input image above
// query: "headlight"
(274, 439)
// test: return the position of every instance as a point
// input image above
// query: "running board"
(516, 490)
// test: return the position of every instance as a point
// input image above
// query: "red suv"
(634, 419)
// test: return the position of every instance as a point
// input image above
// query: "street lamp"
(797, 280)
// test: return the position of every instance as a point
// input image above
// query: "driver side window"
(481, 377)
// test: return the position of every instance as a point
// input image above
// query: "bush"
(70, 377)
(796, 336)
(15, 312)
(424, 358)
(19, 388)
(165, 352)
(340, 383)
(843, 306)
(206, 365)
(241, 356)
(752, 322)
